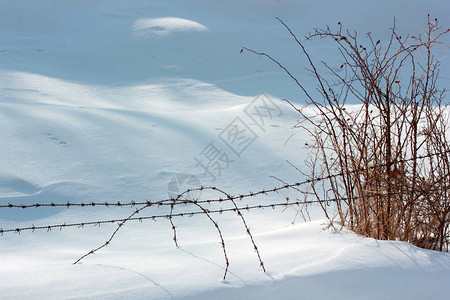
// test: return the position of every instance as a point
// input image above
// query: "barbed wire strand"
(204, 211)
(247, 229)
(168, 202)
(190, 214)
(169, 216)
(178, 201)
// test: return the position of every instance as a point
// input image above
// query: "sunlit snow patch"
(151, 27)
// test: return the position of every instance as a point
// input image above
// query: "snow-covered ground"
(111, 100)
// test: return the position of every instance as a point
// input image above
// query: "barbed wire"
(154, 217)
(219, 211)
(168, 202)
(203, 211)
(172, 202)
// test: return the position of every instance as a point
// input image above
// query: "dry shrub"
(391, 151)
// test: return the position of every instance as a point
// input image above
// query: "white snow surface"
(104, 100)
(165, 26)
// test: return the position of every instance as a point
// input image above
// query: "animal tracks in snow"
(56, 139)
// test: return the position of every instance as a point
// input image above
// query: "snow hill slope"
(106, 100)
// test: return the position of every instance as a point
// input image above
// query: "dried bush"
(391, 151)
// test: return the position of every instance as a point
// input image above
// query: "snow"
(164, 26)
(109, 100)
